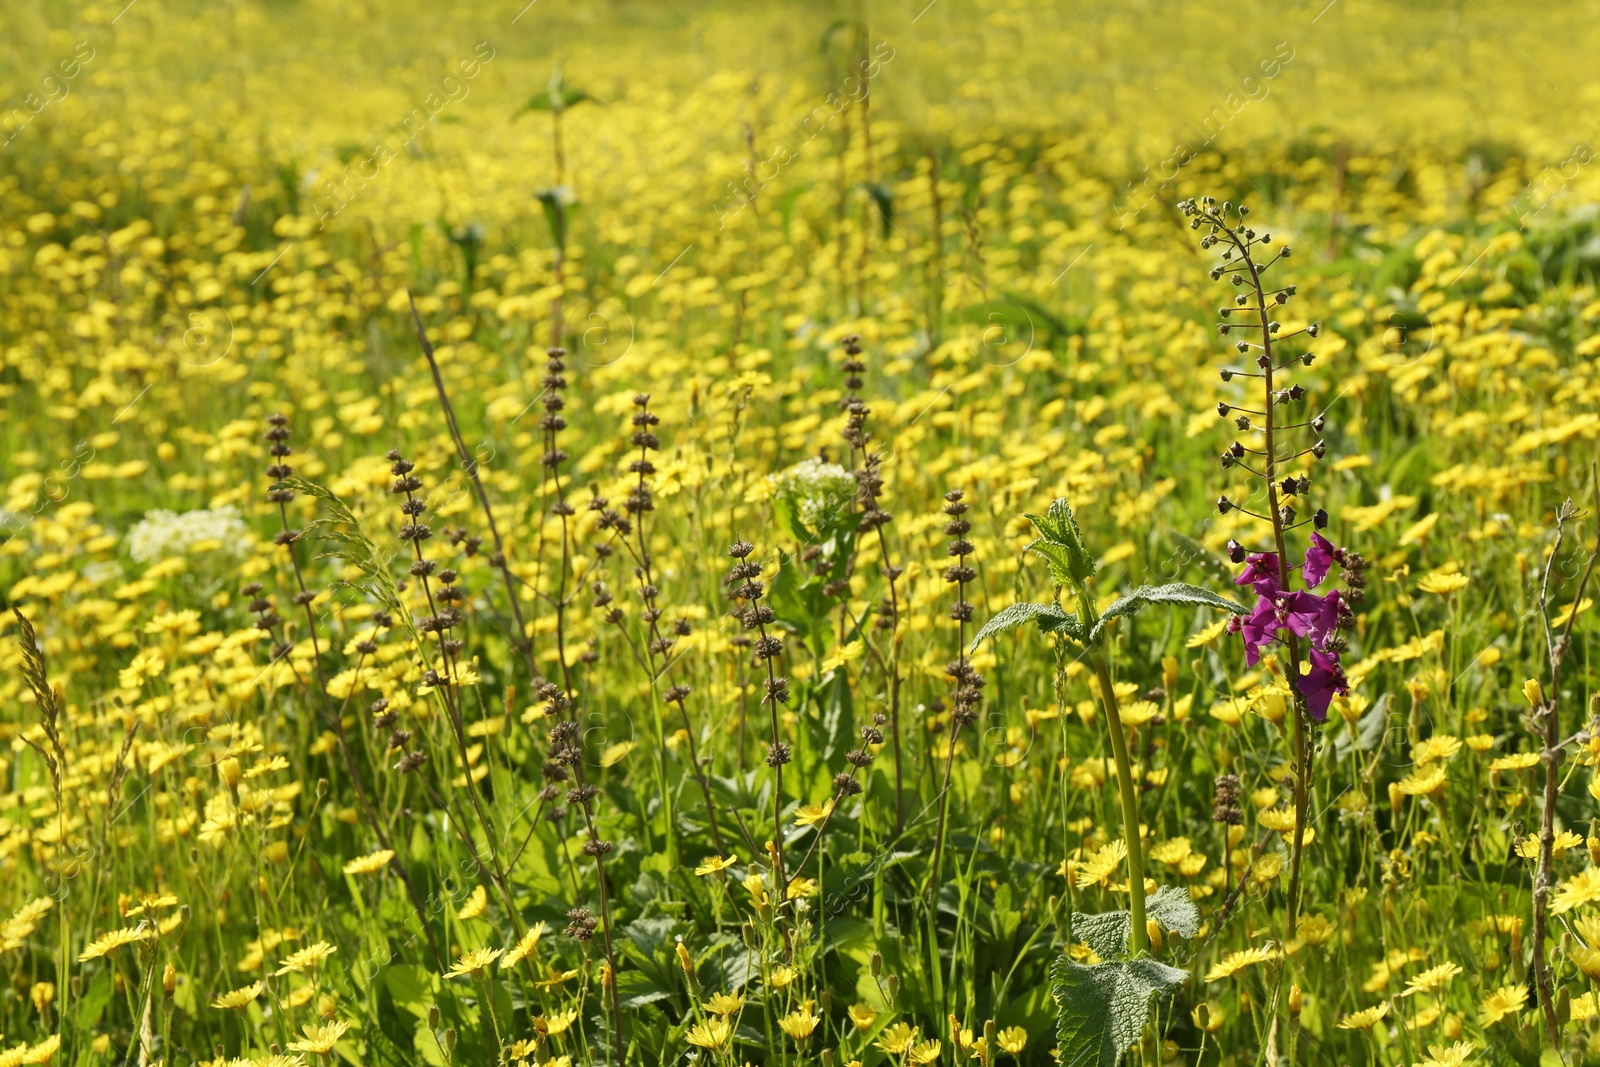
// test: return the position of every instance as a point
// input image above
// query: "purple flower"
(1261, 574)
(1313, 617)
(1259, 628)
(1321, 682)
(1319, 560)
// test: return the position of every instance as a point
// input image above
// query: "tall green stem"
(1140, 941)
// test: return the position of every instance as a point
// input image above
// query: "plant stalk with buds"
(1306, 624)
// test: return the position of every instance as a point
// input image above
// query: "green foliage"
(1107, 933)
(1060, 542)
(1102, 1010)
(558, 96)
(1173, 593)
(1049, 618)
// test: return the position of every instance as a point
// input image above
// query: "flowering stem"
(1301, 754)
(1139, 941)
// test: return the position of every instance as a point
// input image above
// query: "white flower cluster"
(815, 489)
(161, 533)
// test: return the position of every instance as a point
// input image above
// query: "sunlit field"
(799, 533)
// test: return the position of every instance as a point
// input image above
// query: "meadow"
(801, 534)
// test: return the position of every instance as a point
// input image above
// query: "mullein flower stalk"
(746, 587)
(869, 480)
(278, 470)
(1306, 624)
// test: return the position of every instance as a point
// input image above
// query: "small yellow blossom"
(371, 863)
(715, 865)
(473, 962)
(1507, 1000)
(1235, 962)
(320, 1039)
(1366, 1018)
(1012, 1039)
(713, 1033)
(799, 1024)
(304, 959)
(110, 942)
(238, 998)
(723, 1004)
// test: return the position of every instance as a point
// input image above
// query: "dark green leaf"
(1173, 593)
(1048, 617)
(1102, 1010)
(635, 989)
(1107, 933)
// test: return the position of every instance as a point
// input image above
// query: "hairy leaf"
(1048, 617)
(1102, 1010)
(1061, 542)
(1173, 593)
(1174, 909)
(1108, 932)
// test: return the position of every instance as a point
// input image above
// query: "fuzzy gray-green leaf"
(1102, 1010)
(1048, 617)
(1061, 542)
(1108, 932)
(1173, 593)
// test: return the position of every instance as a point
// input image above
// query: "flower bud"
(1207, 1016)
(230, 772)
(42, 994)
(688, 968)
(169, 979)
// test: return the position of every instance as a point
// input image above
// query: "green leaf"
(1174, 909)
(1061, 542)
(411, 987)
(560, 99)
(1173, 593)
(1048, 617)
(635, 989)
(1059, 558)
(1108, 932)
(1102, 1010)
